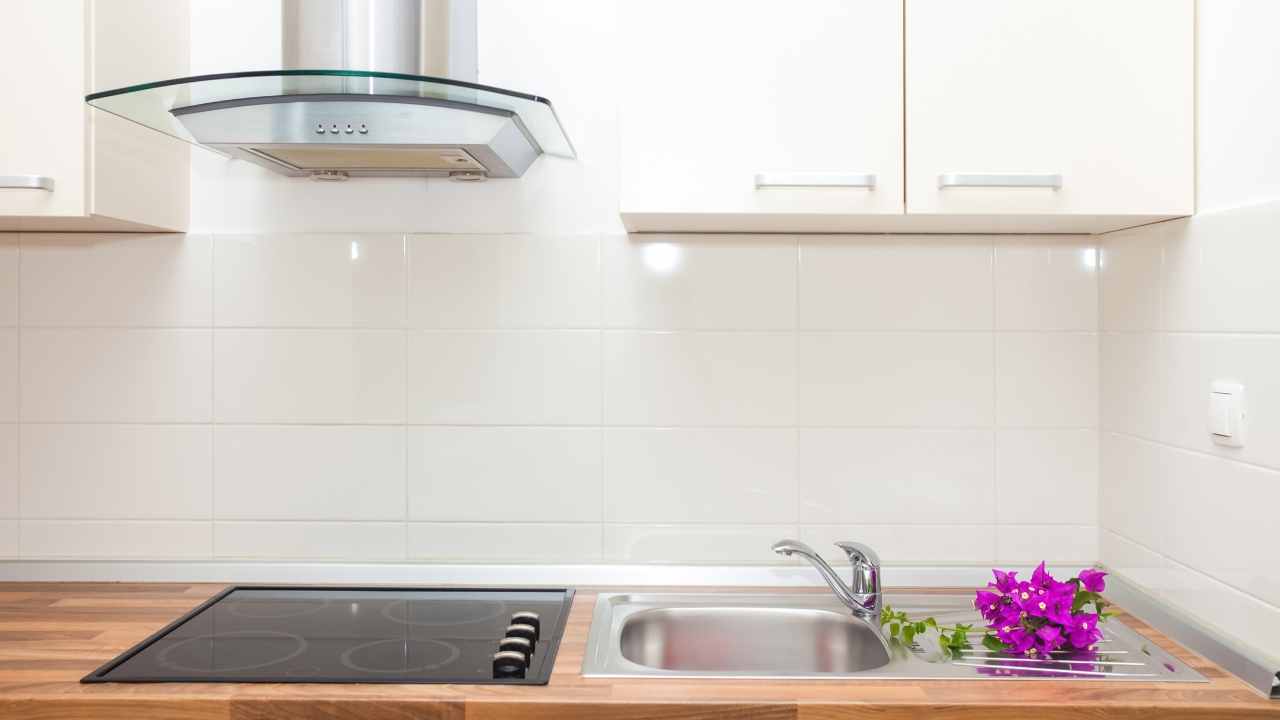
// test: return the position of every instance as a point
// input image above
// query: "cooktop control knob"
(521, 630)
(509, 664)
(517, 644)
(525, 617)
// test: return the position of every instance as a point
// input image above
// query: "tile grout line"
(995, 407)
(600, 420)
(798, 490)
(18, 419)
(404, 336)
(213, 475)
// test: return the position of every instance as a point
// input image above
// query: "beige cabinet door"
(1050, 107)
(42, 110)
(757, 107)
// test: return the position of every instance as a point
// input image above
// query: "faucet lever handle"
(859, 554)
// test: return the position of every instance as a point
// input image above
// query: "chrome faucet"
(863, 596)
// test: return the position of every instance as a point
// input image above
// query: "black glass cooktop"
(355, 635)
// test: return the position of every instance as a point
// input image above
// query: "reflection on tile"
(1046, 283)
(116, 279)
(282, 376)
(1250, 621)
(285, 280)
(505, 378)
(699, 378)
(9, 531)
(695, 544)
(8, 279)
(362, 541)
(9, 364)
(116, 540)
(896, 379)
(308, 473)
(1047, 476)
(506, 542)
(1046, 380)
(1067, 548)
(911, 544)
(699, 282)
(160, 472)
(108, 375)
(8, 471)
(700, 475)
(1129, 264)
(504, 281)
(895, 282)
(899, 477)
(504, 474)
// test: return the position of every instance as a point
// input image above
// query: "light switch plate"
(1226, 413)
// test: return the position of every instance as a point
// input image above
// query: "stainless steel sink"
(751, 640)
(796, 636)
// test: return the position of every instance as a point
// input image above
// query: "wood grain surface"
(52, 634)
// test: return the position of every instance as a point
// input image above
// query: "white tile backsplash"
(543, 398)
(116, 279)
(896, 379)
(308, 472)
(9, 539)
(308, 376)
(309, 281)
(141, 472)
(115, 375)
(1069, 548)
(699, 282)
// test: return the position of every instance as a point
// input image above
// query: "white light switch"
(1226, 413)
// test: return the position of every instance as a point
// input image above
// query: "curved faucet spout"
(863, 599)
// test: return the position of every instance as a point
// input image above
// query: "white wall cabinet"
(973, 116)
(105, 173)
(717, 92)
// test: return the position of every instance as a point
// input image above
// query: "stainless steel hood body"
(395, 95)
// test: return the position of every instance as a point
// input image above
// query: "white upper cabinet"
(758, 115)
(1088, 103)
(1009, 115)
(64, 166)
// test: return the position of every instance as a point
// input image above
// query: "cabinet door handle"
(815, 179)
(1010, 180)
(26, 182)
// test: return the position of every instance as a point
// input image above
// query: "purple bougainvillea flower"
(1049, 638)
(1005, 581)
(1041, 578)
(1083, 630)
(988, 603)
(1092, 580)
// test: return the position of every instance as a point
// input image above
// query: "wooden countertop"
(52, 634)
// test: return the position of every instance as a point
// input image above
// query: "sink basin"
(751, 640)
(812, 636)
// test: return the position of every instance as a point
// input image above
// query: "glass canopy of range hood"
(153, 104)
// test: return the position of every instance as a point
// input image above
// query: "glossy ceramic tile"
(313, 472)
(502, 474)
(504, 378)
(896, 477)
(140, 472)
(699, 282)
(9, 481)
(1137, 563)
(1067, 548)
(1129, 278)
(1133, 497)
(9, 539)
(695, 544)
(908, 544)
(1133, 371)
(1047, 380)
(885, 282)
(1047, 476)
(663, 378)
(1219, 271)
(559, 544)
(8, 279)
(896, 379)
(1046, 283)
(290, 280)
(321, 376)
(1219, 513)
(116, 540)
(504, 281)
(361, 541)
(1192, 363)
(9, 377)
(115, 375)
(1248, 619)
(96, 279)
(700, 475)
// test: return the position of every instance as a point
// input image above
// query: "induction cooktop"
(355, 635)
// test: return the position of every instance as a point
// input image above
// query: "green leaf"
(992, 643)
(894, 629)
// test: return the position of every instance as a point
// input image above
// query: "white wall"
(1184, 303)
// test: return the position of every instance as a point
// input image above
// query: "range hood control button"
(520, 630)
